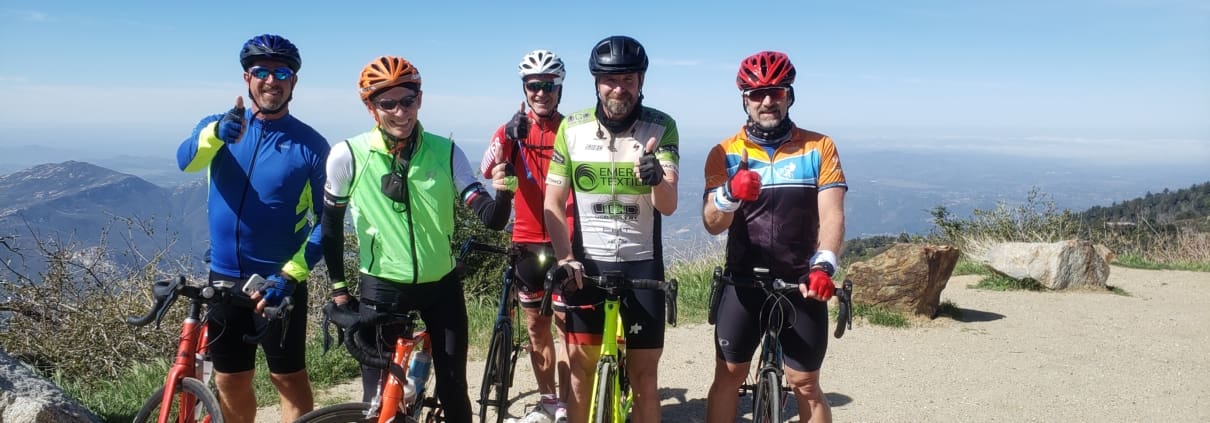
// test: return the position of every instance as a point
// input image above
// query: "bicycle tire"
(206, 401)
(766, 404)
(495, 375)
(604, 394)
(350, 412)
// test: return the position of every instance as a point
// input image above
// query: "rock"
(1105, 253)
(1055, 265)
(26, 397)
(907, 278)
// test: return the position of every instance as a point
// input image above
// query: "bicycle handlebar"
(167, 292)
(613, 281)
(353, 321)
(471, 245)
(761, 279)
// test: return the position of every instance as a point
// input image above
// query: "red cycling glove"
(744, 185)
(821, 283)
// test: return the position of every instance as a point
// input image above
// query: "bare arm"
(716, 221)
(555, 214)
(831, 219)
(663, 196)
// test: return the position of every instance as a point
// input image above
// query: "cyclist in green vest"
(402, 184)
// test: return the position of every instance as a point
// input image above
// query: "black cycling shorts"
(530, 264)
(227, 324)
(642, 310)
(742, 316)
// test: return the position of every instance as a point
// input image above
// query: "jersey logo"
(586, 178)
(617, 210)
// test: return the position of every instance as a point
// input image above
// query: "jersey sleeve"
(831, 175)
(497, 152)
(716, 172)
(558, 169)
(196, 152)
(300, 265)
(464, 177)
(668, 150)
(339, 182)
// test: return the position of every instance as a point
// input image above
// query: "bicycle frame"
(192, 343)
(613, 354)
(390, 393)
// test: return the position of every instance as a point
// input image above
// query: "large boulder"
(907, 278)
(26, 397)
(1055, 265)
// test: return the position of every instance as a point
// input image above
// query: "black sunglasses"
(536, 86)
(280, 74)
(388, 105)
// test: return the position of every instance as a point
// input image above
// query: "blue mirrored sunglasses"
(280, 74)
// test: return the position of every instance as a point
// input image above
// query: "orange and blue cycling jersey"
(780, 229)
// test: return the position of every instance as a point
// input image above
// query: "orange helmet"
(386, 72)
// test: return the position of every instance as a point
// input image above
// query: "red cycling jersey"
(530, 161)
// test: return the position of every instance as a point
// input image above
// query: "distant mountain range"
(74, 203)
(891, 192)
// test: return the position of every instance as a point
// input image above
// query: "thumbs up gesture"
(231, 126)
(517, 128)
(744, 185)
(648, 167)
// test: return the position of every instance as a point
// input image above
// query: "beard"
(619, 107)
(767, 123)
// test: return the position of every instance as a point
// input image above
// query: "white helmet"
(542, 62)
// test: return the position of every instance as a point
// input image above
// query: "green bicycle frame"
(611, 356)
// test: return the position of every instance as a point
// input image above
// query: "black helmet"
(271, 47)
(617, 54)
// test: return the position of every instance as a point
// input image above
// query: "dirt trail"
(1011, 357)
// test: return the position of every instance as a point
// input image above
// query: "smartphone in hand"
(254, 284)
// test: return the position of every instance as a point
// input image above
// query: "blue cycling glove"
(231, 126)
(276, 289)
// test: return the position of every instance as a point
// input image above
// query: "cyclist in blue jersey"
(619, 159)
(266, 176)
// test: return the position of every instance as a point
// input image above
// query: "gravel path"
(1011, 357)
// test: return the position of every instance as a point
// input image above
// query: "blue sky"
(1073, 76)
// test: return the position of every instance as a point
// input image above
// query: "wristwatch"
(826, 267)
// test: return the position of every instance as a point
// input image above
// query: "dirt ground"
(1010, 357)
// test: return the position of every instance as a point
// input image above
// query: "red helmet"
(765, 69)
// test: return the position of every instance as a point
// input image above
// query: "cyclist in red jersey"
(526, 142)
(778, 191)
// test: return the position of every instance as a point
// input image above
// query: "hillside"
(1186, 204)
(76, 203)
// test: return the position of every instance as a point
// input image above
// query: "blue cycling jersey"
(260, 192)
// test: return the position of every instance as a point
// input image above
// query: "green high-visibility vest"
(408, 242)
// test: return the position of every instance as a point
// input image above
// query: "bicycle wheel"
(205, 407)
(494, 391)
(351, 412)
(766, 405)
(604, 393)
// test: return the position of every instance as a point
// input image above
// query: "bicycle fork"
(183, 367)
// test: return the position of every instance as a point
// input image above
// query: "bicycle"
(505, 344)
(611, 388)
(769, 389)
(391, 402)
(194, 399)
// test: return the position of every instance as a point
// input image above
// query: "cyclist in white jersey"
(619, 159)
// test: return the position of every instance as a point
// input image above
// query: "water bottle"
(418, 373)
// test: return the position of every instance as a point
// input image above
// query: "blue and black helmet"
(271, 47)
(617, 54)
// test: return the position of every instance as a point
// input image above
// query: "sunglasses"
(280, 74)
(774, 93)
(536, 86)
(388, 105)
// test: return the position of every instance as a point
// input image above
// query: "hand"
(818, 286)
(274, 291)
(504, 178)
(517, 128)
(744, 185)
(648, 167)
(341, 299)
(231, 126)
(575, 270)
